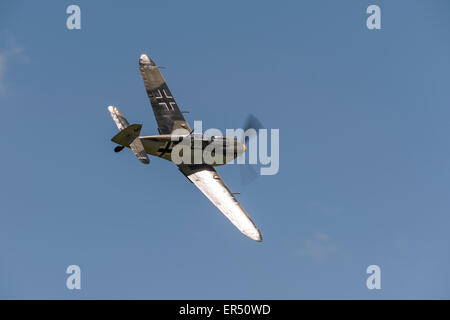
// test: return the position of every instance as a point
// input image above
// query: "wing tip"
(255, 235)
(145, 60)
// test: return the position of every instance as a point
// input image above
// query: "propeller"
(247, 170)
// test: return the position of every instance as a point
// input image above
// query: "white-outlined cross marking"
(159, 96)
(171, 105)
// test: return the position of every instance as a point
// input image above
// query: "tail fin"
(128, 135)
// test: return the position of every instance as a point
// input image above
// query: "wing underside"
(212, 186)
(167, 114)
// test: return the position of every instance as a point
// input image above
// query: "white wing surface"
(211, 184)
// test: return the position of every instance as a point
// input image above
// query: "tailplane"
(128, 135)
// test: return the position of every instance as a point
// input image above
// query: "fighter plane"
(171, 122)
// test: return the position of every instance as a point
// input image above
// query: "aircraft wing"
(211, 184)
(168, 115)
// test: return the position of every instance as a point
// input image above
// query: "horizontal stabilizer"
(128, 135)
(139, 151)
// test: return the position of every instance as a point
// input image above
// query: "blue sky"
(364, 150)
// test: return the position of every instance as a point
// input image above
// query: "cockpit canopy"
(222, 140)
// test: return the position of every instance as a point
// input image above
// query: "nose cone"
(145, 60)
(240, 148)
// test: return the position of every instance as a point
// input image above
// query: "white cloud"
(9, 51)
(319, 247)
